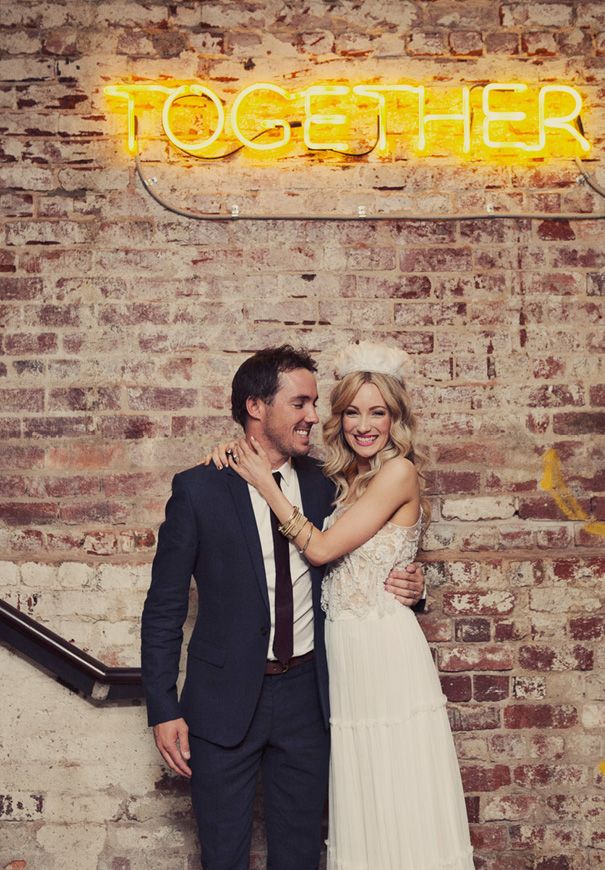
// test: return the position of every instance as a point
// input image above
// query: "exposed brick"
(22, 513)
(446, 482)
(587, 628)
(482, 603)
(75, 485)
(543, 658)
(514, 806)
(537, 775)
(490, 687)
(165, 399)
(579, 423)
(501, 43)
(557, 862)
(529, 687)
(457, 688)
(466, 658)
(130, 427)
(466, 42)
(57, 315)
(403, 287)
(56, 427)
(97, 512)
(597, 395)
(472, 630)
(436, 260)
(484, 779)
(540, 716)
(509, 630)
(595, 284)
(7, 262)
(21, 457)
(491, 837)
(475, 718)
(539, 43)
(84, 399)
(21, 400)
(427, 43)
(28, 343)
(472, 808)
(538, 507)
(435, 628)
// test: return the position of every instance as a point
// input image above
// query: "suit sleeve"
(166, 605)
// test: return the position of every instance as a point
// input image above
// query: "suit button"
(264, 631)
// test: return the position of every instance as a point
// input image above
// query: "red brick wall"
(123, 323)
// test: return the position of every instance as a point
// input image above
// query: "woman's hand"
(220, 454)
(251, 462)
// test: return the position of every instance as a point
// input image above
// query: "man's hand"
(172, 739)
(407, 586)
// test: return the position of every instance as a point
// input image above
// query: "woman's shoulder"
(399, 468)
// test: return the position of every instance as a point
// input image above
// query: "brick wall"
(123, 323)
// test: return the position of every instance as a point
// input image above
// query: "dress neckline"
(345, 507)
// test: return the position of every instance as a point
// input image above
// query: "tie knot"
(277, 478)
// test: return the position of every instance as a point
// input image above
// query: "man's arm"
(164, 613)
(408, 586)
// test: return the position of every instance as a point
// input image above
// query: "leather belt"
(274, 667)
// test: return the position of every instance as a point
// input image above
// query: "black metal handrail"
(69, 664)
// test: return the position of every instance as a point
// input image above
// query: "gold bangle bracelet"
(306, 544)
(296, 527)
(285, 525)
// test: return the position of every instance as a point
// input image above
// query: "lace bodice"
(353, 586)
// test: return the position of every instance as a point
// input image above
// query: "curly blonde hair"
(340, 463)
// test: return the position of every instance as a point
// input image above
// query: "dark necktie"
(283, 640)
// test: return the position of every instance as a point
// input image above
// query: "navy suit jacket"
(210, 532)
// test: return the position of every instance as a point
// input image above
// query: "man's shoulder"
(313, 467)
(307, 464)
(197, 474)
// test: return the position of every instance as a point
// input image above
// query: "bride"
(396, 799)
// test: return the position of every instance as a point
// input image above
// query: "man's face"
(288, 420)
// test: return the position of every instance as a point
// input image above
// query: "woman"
(396, 798)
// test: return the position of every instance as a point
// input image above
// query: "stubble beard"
(287, 449)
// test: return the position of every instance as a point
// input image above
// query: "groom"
(241, 710)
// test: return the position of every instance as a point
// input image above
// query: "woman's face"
(366, 422)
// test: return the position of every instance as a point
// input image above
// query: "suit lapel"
(243, 507)
(310, 494)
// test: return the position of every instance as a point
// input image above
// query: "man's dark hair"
(258, 376)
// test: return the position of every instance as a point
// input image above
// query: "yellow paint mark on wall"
(602, 768)
(553, 482)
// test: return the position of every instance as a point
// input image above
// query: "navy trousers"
(288, 742)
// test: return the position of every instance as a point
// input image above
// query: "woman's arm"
(395, 484)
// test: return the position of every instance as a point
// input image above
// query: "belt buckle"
(285, 667)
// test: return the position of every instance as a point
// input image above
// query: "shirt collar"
(287, 471)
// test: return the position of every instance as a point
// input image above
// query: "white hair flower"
(369, 357)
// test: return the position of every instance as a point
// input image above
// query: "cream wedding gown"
(396, 800)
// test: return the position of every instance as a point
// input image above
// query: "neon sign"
(509, 118)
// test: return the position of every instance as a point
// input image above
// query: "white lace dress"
(396, 800)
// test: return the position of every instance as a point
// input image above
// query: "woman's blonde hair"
(340, 463)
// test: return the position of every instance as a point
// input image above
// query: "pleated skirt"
(396, 799)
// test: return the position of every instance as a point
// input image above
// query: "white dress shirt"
(299, 568)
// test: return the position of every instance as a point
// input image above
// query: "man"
(245, 707)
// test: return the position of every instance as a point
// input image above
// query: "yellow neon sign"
(187, 91)
(377, 92)
(425, 118)
(271, 123)
(510, 117)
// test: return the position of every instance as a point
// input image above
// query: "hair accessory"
(369, 357)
